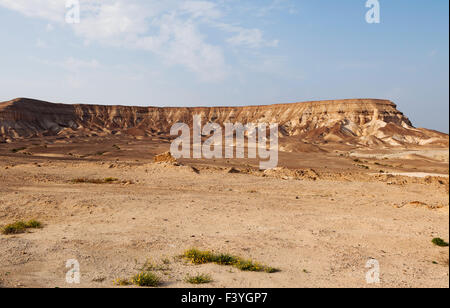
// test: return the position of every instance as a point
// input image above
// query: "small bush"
(33, 224)
(249, 266)
(110, 180)
(15, 228)
(94, 181)
(226, 259)
(439, 242)
(198, 279)
(18, 150)
(146, 279)
(199, 257)
(122, 282)
(20, 227)
(271, 270)
(150, 266)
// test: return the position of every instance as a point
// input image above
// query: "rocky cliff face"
(358, 121)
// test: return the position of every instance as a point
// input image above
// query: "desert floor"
(319, 226)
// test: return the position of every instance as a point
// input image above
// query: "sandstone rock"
(165, 158)
(363, 122)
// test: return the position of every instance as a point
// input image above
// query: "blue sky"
(228, 52)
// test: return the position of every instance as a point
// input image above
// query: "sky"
(228, 53)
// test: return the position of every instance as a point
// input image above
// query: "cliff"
(355, 121)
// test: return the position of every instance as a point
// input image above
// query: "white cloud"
(49, 9)
(169, 29)
(201, 9)
(251, 38)
(277, 5)
(72, 64)
(112, 22)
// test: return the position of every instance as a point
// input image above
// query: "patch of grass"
(225, 259)
(14, 228)
(122, 282)
(20, 227)
(364, 167)
(271, 270)
(95, 181)
(146, 279)
(18, 149)
(198, 279)
(33, 224)
(150, 266)
(110, 180)
(439, 242)
(202, 257)
(249, 266)
(199, 257)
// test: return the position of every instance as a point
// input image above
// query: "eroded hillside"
(356, 122)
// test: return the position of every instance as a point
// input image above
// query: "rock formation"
(362, 122)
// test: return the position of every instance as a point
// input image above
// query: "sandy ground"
(419, 174)
(319, 233)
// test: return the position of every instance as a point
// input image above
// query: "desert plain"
(328, 209)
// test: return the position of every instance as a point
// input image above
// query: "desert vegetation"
(20, 227)
(197, 257)
(108, 180)
(439, 242)
(198, 279)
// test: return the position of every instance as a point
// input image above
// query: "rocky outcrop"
(355, 121)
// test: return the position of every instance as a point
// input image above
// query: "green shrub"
(146, 279)
(33, 224)
(225, 259)
(198, 279)
(18, 150)
(199, 257)
(249, 266)
(439, 242)
(122, 282)
(150, 266)
(110, 180)
(271, 270)
(14, 228)
(20, 227)
(94, 181)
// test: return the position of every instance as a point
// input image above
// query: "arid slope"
(363, 122)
